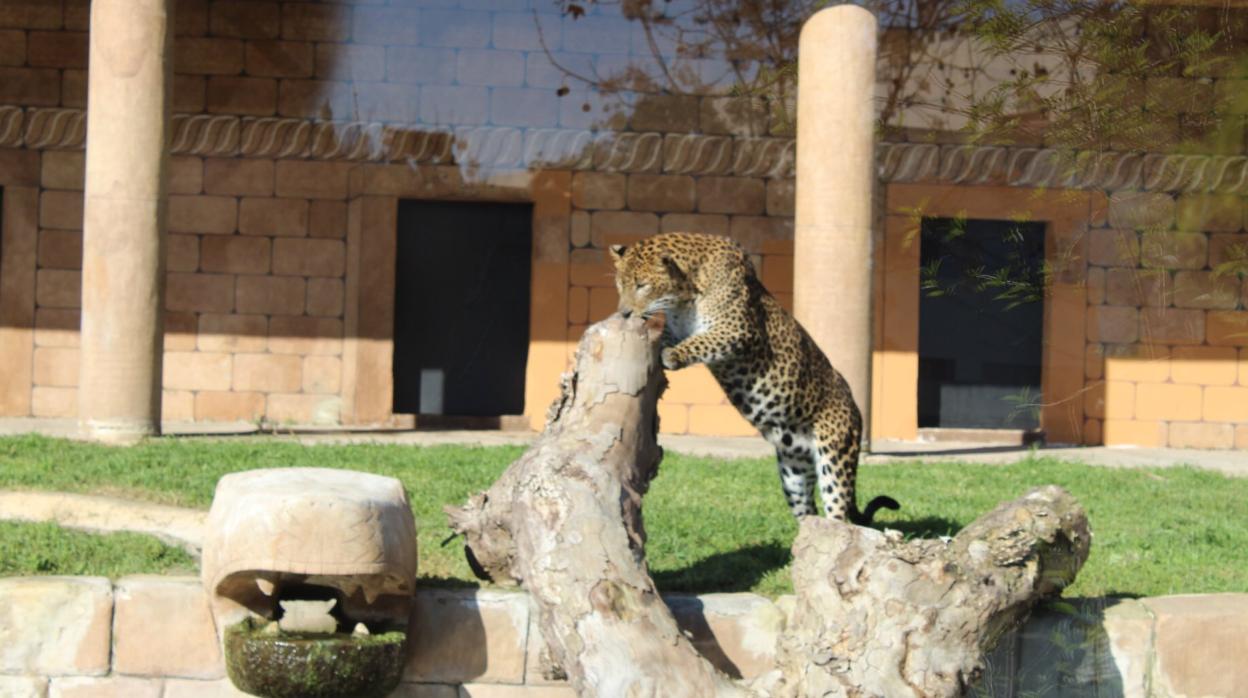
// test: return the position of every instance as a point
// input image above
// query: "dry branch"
(875, 616)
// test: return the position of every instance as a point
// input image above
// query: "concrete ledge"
(162, 627)
(1163, 647)
(1200, 645)
(55, 626)
(85, 636)
(736, 632)
(105, 687)
(185, 688)
(463, 636)
(1129, 627)
(23, 686)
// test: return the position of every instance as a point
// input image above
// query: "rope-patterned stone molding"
(48, 129)
(1061, 169)
(204, 134)
(11, 120)
(487, 147)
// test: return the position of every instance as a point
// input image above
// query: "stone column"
(123, 259)
(835, 176)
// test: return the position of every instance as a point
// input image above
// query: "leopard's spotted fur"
(718, 313)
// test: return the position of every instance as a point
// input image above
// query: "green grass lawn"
(45, 548)
(713, 525)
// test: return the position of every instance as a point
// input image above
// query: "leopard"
(718, 313)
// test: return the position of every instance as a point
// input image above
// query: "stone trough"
(310, 575)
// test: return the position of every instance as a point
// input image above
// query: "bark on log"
(879, 616)
(875, 616)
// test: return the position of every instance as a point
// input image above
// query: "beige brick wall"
(256, 285)
(258, 288)
(1167, 354)
(1138, 292)
(256, 254)
(254, 323)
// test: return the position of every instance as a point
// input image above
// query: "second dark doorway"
(461, 308)
(981, 323)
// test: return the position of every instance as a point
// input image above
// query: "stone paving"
(173, 525)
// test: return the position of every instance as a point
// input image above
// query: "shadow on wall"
(691, 617)
(463, 99)
(459, 649)
(1063, 650)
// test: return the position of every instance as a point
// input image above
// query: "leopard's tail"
(864, 518)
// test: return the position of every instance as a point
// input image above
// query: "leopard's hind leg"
(797, 477)
(836, 460)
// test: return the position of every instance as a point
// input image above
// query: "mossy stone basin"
(299, 665)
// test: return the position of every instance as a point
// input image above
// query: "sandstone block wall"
(1161, 267)
(254, 291)
(1167, 353)
(259, 319)
(289, 114)
(58, 631)
(1146, 309)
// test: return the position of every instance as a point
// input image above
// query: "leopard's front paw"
(670, 360)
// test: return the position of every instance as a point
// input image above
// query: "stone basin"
(293, 557)
(269, 530)
(312, 665)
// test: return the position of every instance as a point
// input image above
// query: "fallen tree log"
(875, 615)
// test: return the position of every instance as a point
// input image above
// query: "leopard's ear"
(674, 270)
(617, 254)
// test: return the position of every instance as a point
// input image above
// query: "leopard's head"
(649, 280)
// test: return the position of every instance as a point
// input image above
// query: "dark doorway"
(461, 308)
(981, 323)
